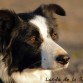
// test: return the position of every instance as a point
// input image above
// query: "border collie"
(28, 49)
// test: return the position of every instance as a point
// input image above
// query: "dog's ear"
(8, 20)
(48, 10)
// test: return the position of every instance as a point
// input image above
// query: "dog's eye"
(32, 39)
(54, 36)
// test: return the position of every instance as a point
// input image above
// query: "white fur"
(32, 76)
(49, 48)
(4, 70)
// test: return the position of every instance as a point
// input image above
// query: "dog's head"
(28, 40)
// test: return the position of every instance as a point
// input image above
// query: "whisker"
(34, 63)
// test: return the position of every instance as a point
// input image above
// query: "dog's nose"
(62, 59)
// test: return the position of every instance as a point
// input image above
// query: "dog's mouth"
(37, 66)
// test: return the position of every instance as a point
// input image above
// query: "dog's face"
(28, 40)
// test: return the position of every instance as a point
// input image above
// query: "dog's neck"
(32, 76)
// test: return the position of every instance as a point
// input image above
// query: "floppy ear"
(8, 20)
(48, 10)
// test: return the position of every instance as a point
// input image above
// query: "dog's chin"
(60, 67)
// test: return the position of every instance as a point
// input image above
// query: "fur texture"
(28, 48)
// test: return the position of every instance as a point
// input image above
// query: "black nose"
(62, 59)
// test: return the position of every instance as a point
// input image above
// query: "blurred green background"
(70, 30)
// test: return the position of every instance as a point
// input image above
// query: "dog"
(28, 49)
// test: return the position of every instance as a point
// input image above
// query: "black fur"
(18, 46)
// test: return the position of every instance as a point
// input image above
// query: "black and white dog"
(28, 48)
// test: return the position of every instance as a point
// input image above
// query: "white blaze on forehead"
(49, 49)
(40, 22)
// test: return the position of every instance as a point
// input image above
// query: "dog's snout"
(62, 59)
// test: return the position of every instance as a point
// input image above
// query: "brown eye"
(54, 36)
(32, 39)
